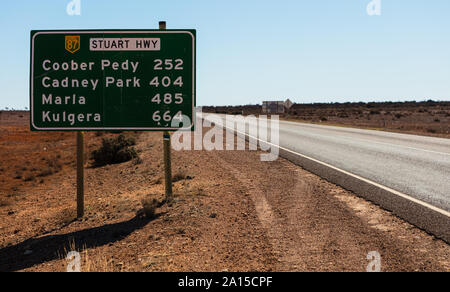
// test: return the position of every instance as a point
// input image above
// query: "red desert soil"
(231, 212)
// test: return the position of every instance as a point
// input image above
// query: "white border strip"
(113, 32)
(400, 194)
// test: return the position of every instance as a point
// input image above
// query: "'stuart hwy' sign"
(112, 80)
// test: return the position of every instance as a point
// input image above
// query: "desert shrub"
(53, 166)
(4, 202)
(343, 115)
(149, 208)
(157, 181)
(179, 176)
(29, 177)
(114, 150)
(45, 172)
(55, 163)
(138, 160)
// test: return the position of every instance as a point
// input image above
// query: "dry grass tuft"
(29, 177)
(179, 176)
(4, 202)
(149, 207)
(54, 165)
(157, 181)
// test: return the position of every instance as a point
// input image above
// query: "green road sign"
(112, 80)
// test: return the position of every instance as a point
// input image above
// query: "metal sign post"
(167, 154)
(167, 167)
(80, 174)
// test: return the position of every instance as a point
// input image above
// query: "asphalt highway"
(417, 166)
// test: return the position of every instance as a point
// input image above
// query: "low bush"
(4, 202)
(53, 166)
(179, 176)
(138, 160)
(29, 177)
(114, 150)
(149, 208)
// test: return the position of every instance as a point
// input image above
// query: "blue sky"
(254, 50)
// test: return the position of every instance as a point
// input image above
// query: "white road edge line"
(405, 196)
